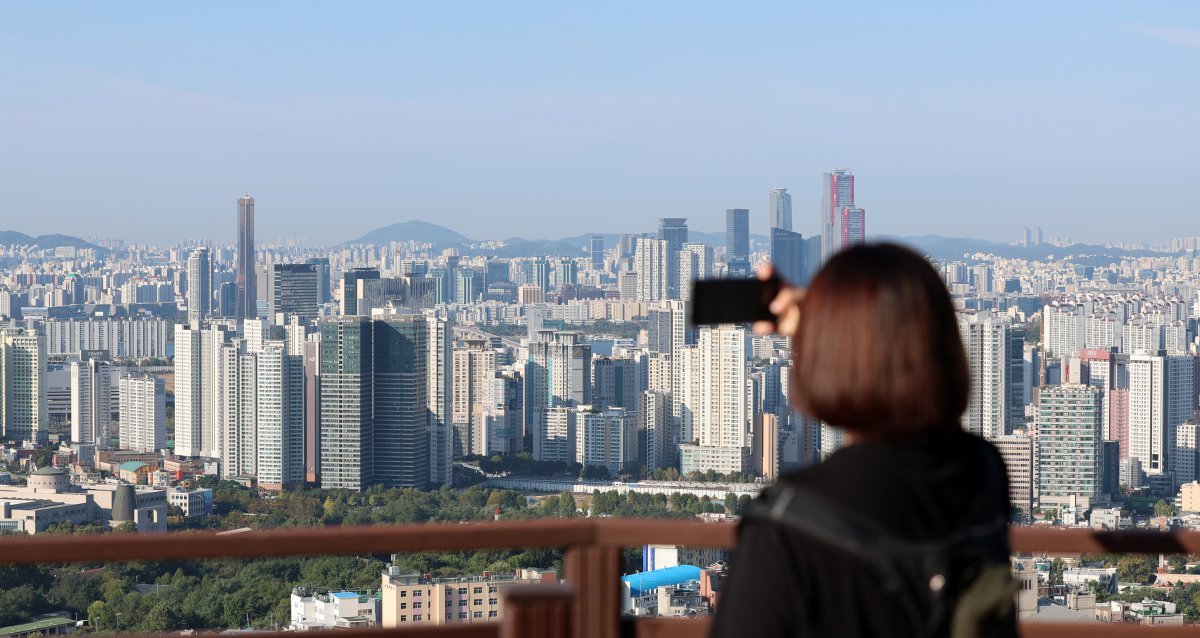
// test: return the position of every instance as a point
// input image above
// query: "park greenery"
(164, 596)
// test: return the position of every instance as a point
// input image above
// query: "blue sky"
(145, 121)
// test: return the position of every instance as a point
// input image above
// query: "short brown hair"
(878, 350)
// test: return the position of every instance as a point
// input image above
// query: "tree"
(1136, 569)
(1177, 564)
(1163, 509)
(1056, 572)
(160, 619)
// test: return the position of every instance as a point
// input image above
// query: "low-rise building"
(49, 498)
(701, 458)
(314, 610)
(640, 591)
(197, 502)
(414, 599)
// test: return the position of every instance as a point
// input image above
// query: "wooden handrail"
(591, 564)
(607, 532)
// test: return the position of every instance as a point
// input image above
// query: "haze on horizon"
(145, 121)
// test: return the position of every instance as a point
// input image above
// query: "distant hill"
(956, 247)
(577, 245)
(12, 237)
(414, 230)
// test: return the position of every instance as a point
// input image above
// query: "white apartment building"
(651, 262)
(279, 439)
(606, 439)
(1161, 396)
(143, 414)
(23, 385)
(91, 402)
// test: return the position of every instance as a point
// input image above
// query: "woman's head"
(878, 350)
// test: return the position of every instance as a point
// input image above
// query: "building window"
(417, 605)
(478, 614)
(404, 619)
(478, 590)
(403, 605)
(493, 614)
(403, 594)
(492, 601)
(462, 603)
(416, 618)
(462, 615)
(477, 601)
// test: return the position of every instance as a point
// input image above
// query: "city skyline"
(346, 123)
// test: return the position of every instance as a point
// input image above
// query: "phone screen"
(733, 300)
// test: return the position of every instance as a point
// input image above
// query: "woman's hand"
(785, 306)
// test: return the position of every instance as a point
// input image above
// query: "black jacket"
(783, 583)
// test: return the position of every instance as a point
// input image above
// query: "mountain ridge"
(933, 245)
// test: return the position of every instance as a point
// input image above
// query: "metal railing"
(588, 604)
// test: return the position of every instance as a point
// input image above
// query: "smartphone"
(733, 300)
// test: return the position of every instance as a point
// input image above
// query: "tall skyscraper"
(143, 413)
(200, 292)
(312, 413)
(347, 402)
(788, 256)
(854, 226)
(438, 398)
(279, 439)
(674, 231)
(322, 264)
(737, 234)
(350, 280)
(401, 438)
(842, 224)
(597, 252)
(188, 392)
(91, 400)
(247, 284)
(294, 290)
(558, 374)
(23, 385)
(779, 205)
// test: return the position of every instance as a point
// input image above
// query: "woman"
(875, 351)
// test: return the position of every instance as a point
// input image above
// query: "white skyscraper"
(23, 385)
(780, 206)
(651, 262)
(715, 394)
(279, 442)
(1161, 396)
(189, 398)
(473, 393)
(200, 294)
(143, 413)
(695, 263)
(238, 411)
(996, 358)
(91, 402)
(438, 396)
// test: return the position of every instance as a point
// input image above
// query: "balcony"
(588, 605)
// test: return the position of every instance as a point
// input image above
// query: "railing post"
(536, 611)
(594, 572)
